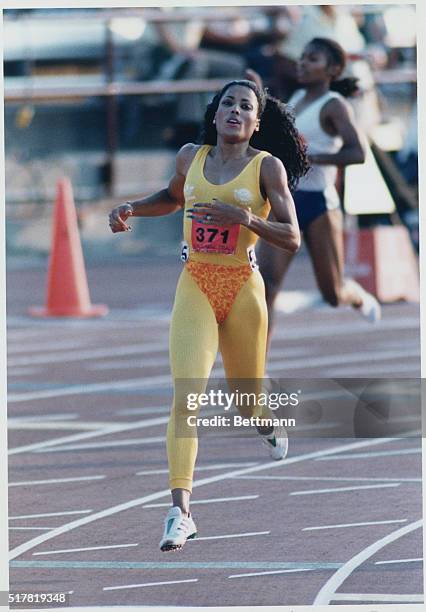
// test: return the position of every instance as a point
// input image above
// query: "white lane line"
(30, 528)
(354, 525)
(200, 468)
(341, 489)
(232, 535)
(44, 347)
(399, 561)
(146, 410)
(19, 327)
(47, 514)
(132, 383)
(129, 363)
(316, 426)
(330, 478)
(68, 550)
(164, 379)
(55, 425)
(137, 586)
(126, 320)
(213, 500)
(286, 571)
(139, 501)
(54, 481)
(66, 416)
(336, 358)
(100, 445)
(378, 369)
(24, 371)
(385, 597)
(142, 424)
(403, 451)
(299, 350)
(133, 349)
(342, 328)
(328, 591)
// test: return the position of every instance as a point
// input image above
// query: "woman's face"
(236, 116)
(314, 66)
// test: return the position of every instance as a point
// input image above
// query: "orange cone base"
(95, 310)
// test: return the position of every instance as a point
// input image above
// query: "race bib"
(214, 238)
(251, 256)
(184, 252)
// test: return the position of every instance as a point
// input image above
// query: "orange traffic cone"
(67, 288)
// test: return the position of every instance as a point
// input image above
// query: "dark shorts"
(309, 206)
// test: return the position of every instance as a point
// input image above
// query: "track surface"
(88, 411)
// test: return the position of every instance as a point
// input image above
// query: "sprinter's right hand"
(118, 217)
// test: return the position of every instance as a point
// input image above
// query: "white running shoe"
(370, 307)
(277, 442)
(178, 528)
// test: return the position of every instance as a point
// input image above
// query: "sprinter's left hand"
(219, 213)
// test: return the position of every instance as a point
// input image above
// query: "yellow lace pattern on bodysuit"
(220, 284)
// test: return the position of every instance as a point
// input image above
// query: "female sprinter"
(325, 120)
(227, 188)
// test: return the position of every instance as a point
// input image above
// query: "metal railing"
(28, 91)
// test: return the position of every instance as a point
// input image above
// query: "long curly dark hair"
(277, 134)
(336, 55)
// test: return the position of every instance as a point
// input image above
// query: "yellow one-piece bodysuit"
(219, 304)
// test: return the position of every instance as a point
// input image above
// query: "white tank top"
(319, 177)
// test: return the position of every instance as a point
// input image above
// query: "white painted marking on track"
(343, 329)
(47, 514)
(86, 389)
(330, 478)
(365, 371)
(384, 597)
(44, 347)
(342, 489)
(139, 501)
(328, 591)
(137, 586)
(213, 500)
(316, 426)
(99, 353)
(199, 468)
(232, 535)
(55, 425)
(286, 571)
(402, 451)
(399, 561)
(24, 371)
(30, 528)
(68, 550)
(142, 424)
(287, 363)
(355, 525)
(165, 379)
(129, 363)
(101, 445)
(66, 416)
(54, 481)
(145, 410)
